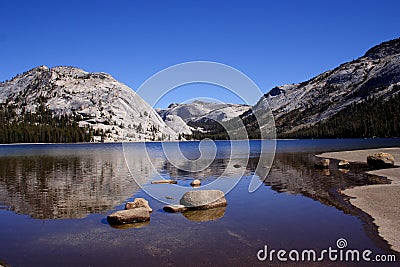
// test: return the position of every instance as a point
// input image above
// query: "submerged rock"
(322, 164)
(129, 216)
(380, 160)
(137, 203)
(203, 199)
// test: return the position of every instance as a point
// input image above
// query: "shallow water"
(54, 200)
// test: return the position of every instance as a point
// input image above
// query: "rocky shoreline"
(381, 201)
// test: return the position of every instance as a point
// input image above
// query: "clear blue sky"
(273, 42)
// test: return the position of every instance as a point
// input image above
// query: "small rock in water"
(322, 164)
(380, 160)
(164, 182)
(175, 208)
(196, 182)
(137, 203)
(344, 164)
(129, 216)
(203, 199)
(168, 197)
(237, 166)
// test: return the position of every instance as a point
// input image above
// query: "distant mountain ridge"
(200, 110)
(199, 115)
(360, 98)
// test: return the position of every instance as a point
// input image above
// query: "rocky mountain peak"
(384, 49)
(173, 105)
(275, 91)
(375, 75)
(96, 100)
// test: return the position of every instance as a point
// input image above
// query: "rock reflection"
(130, 225)
(204, 215)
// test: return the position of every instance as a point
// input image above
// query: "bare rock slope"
(374, 75)
(96, 99)
(202, 110)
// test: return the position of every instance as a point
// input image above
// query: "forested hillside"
(41, 127)
(375, 117)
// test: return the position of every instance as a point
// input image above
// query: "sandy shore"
(381, 202)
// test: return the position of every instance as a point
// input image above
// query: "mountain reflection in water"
(295, 174)
(73, 183)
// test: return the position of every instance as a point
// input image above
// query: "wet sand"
(381, 202)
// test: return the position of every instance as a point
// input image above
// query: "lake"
(54, 200)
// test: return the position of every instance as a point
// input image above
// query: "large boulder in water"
(380, 160)
(203, 199)
(129, 216)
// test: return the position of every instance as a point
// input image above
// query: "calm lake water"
(54, 200)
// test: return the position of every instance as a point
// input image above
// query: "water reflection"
(295, 174)
(66, 185)
(62, 182)
(205, 215)
(72, 182)
(128, 226)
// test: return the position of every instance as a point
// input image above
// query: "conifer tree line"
(40, 127)
(375, 117)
